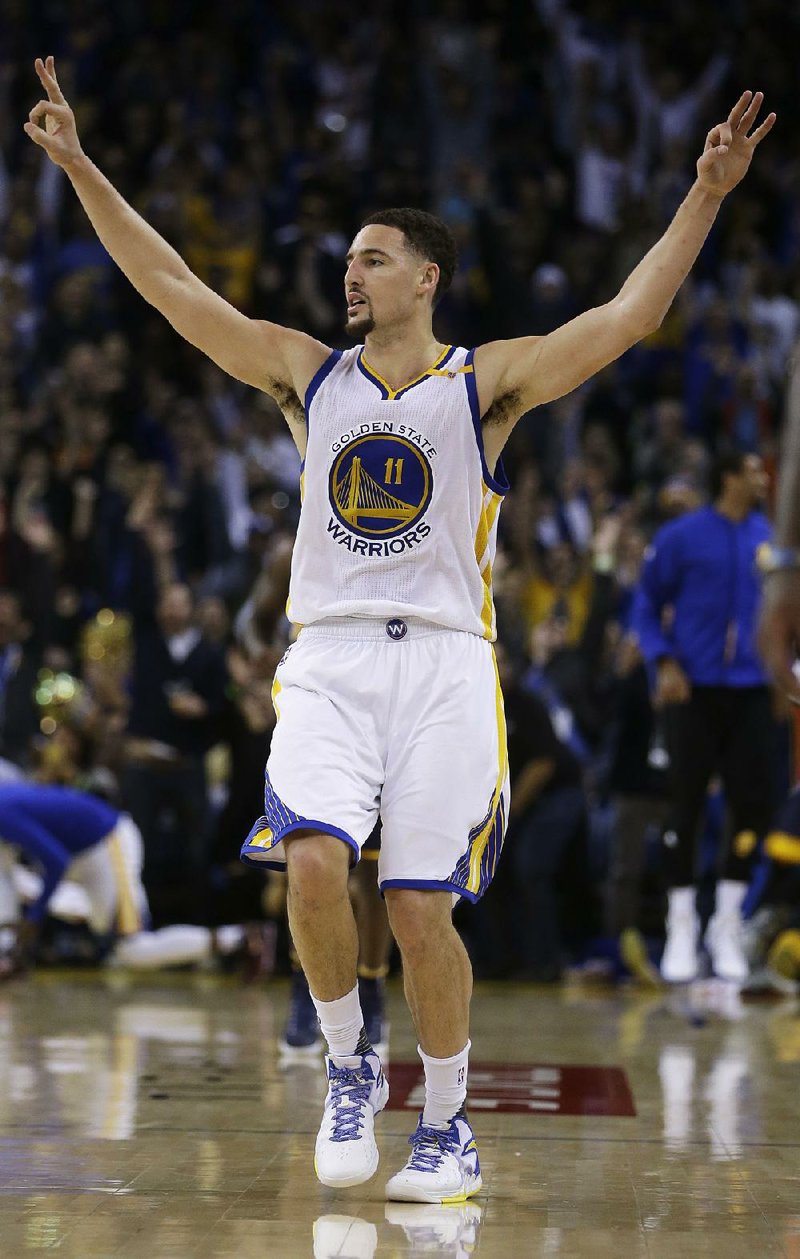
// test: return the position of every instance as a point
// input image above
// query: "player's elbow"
(636, 321)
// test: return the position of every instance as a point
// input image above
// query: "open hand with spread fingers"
(730, 145)
(59, 135)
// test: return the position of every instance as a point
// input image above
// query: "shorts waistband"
(380, 629)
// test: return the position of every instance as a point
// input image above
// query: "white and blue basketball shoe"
(346, 1153)
(443, 1167)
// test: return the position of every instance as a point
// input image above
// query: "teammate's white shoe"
(337, 1235)
(346, 1153)
(433, 1228)
(725, 935)
(443, 1167)
(679, 962)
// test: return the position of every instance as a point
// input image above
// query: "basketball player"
(389, 702)
(89, 857)
(70, 834)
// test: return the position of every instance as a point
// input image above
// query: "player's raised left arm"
(533, 370)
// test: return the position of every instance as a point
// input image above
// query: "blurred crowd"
(148, 503)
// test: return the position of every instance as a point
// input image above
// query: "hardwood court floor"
(150, 1119)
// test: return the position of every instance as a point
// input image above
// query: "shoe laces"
(350, 1092)
(430, 1146)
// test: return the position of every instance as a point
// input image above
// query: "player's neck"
(402, 354)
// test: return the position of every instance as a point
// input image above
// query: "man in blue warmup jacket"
(695, 615)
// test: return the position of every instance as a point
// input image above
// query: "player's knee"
(417, 918)
(317, 866)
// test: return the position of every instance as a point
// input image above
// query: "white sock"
(341, 1022)
(445, 1086)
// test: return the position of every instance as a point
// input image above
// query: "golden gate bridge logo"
(380, 485)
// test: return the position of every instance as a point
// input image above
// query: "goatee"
(360, 326)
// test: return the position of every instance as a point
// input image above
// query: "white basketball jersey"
(399, 513)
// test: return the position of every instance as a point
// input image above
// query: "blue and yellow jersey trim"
(386, 391)
(476, 867)
(484, 536)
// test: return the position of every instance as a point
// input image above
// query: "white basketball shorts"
(401, 719)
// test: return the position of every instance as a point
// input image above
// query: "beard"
(360, 325)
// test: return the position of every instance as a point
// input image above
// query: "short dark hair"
(426, 236)
(727, 462)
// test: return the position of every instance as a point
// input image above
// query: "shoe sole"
(412, 1194)
(685, 978)
(350, 1181)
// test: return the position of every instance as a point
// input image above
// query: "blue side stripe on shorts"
(275, 810)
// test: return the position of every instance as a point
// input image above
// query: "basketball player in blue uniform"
(82, 845)
(388, 702)
(68, 833)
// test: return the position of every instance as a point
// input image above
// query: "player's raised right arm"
(261, 354)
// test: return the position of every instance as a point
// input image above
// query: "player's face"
(756, 479)
(384, 280)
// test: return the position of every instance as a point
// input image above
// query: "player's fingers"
(42, 108)
(45, 139)
(47, 78)
(735, 115)
(58, 95)
(764, 129)
(718, 139)
(749, 116)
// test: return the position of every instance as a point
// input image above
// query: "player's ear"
(429, 278)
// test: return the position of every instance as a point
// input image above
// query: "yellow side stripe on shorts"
(481, 840)
(262, 839)
(783, 847)
(276, 690)
(128, 919)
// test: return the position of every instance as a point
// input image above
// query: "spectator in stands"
(177, 687)
(548, 833)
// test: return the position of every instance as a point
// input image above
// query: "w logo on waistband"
(396, 629)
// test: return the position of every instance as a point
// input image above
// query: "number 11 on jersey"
(393, 466)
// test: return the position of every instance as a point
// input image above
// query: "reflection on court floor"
(151, 1119)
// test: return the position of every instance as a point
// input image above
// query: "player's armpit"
(535, 370)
